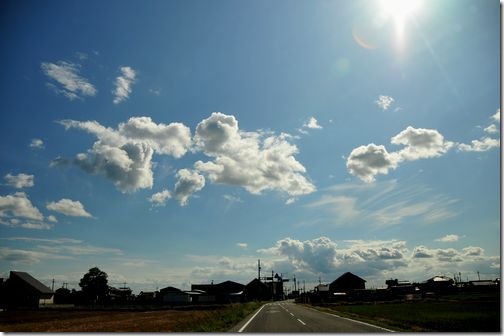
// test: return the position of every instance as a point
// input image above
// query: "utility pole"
(478, 276)
(259, 269)
(295, 282)
(52, 288)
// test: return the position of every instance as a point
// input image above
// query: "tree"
(94, 285)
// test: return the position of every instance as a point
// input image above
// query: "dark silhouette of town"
(21, 290)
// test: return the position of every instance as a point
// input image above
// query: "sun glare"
(400, 11)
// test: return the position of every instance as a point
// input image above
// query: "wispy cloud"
(448, 238)
(383, 204)
(123, 84)
(312, 123)
(69, 82)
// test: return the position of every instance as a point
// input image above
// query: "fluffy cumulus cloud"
(18, 205)
(160, 198)
(37, 144)
(254, 160)
(420, 143)
(20, 180)
(189, 182)
(69, 82)
(68, 207)
(123, 84)
(124, 155)
(491, 129)
(366, 162)
(384, 102)
(374, 259)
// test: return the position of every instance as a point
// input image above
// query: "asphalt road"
(286, 316)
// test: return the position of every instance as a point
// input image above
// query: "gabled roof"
(169, 289)
(31, 281)
(348, 276)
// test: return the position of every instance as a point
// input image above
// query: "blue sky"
(176, 142)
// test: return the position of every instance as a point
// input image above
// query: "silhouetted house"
(120, 295)
(22, 290)
(347, 283)
(398, 287)
(63, 296)
(438, 284)
(146, 297)
(256, 290)
(224, 292)
(172, 295)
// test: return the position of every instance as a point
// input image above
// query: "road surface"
(286, 316)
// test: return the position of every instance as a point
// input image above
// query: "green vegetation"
(452, 314)
(219, 320)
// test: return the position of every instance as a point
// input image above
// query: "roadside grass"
(219, 320)
(427, 315)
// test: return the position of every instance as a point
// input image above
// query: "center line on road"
(301, 322)
(291, 314)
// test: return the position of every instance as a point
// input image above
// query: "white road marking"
(291, 314)
(246, 324)
(301, 322)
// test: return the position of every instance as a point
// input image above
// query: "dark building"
(174, 296)
(256, 290)
(224, 292)
(22, 290)
(438, 284)
(347, 283)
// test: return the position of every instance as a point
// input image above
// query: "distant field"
(70, 320)
(457, 313)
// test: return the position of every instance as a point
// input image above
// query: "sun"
(401, 12)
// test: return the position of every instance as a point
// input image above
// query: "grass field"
(457, 313)
(217, 319)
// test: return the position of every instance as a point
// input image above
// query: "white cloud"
(20, 180)
(160, 198)
(482, 145)
(373, 259)
(18, 205)
(366, 162)
(67, 76)
(253, 160)
(448, 238)
(189, 182)
(36, 226)
(52, 219)
(421, 143)
(491, 129)
(496, 116)
(384, 102)
(37, 144)
(68, 207)
(312, 124)
(124, 155)
(242, 245)
(123, 84)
